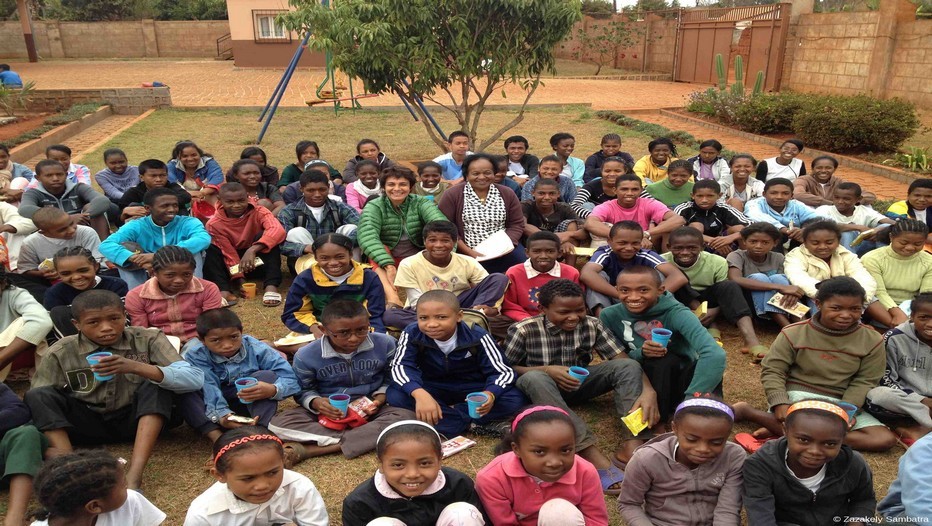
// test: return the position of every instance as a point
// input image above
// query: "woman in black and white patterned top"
(480, 208)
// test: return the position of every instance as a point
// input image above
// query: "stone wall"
(912, 56)
(653, 50)
(134, 39)
(126, 101)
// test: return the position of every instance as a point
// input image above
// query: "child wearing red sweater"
(241, 232)
(540, 480)
(526, 279)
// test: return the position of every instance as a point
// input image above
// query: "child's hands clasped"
(323, 406)
(652, 349)
(260, 391)
(426, 408)
(561, 375)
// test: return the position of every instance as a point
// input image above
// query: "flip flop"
(609, 477)
(758, 353)
(271, 299)
(750, 443)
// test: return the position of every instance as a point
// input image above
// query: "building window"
(266, 29)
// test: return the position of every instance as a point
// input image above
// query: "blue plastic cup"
(849, 408)
(94, 359)
(340, 401)
(429, 197)
(474, 401)
(245, 383)
(579, 373)
(661, 336)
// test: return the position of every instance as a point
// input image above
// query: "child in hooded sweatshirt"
(77, 199)
(910, 494)
(690, 477)
(906, 389)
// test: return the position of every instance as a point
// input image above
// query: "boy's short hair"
(924, 298)
(151, 196)
(517, 138)
(848, 185)
(625, 225)
(229, 188)
(428, 164)
(761, 228)
(46, 162)
(686, 231)
(217, 319)
(707, 184)
(313, 176)
(94, 299)
(543, 235)
(558, 288)
(624, 178)
(645, 271)
(343, 310)
(47, 215)
(925, 183)
(457, 133)
(778, 181)
(440, 227)
(546, 182)
(113, 151)
(58, 148)
(440, 296)
(151, 164)
(557, 138)
(4, 67)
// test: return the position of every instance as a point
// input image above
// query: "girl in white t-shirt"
(785, 165)
(88, 488)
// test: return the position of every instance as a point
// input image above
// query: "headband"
(532, 410)
(405, 423)
(240, 441)
(706, 402)
(819, 406)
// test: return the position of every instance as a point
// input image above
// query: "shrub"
(856, 124)
(770, 113)
(721, 104)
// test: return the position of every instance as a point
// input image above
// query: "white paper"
(494, 246)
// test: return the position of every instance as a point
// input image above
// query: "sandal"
(610, 477)
(758, 352)
(230, 298)
(750, 443)
(717, 336)
(294, 454)
(271, 299)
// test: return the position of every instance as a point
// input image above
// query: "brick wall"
(135, 39)
(909, 72)
(832, 52)
(125, 101)
(656, 55)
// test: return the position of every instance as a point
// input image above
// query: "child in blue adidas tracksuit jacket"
(440, 360)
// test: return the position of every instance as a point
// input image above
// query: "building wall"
(133, 39)
(912, 56)
(653, 49)
(248, 52)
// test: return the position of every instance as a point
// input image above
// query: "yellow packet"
(635, 421)
(702, 309)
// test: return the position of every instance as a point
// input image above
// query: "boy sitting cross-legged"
(79, 200)
(720, 224)
(437, 267)
(526, 279)
(690, 363)
(544, 347)
(600, 274)
(708, 282)
(226, 355)
(127, 394)
(163, 227)
(440, 360)
(240, 232)
(153, 173)
(348, 359)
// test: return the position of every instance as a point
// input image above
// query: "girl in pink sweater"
(541, 481)
(174, 298)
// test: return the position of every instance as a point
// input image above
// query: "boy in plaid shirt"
(542, 348)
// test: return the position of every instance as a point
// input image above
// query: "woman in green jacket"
(390, 226)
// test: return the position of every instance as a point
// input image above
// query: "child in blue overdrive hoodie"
(349, 359)
(227, 355)
(441, 360)
(163, 227)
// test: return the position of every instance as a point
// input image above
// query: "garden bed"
(21, 125)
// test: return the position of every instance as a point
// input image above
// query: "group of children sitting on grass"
(131, 333)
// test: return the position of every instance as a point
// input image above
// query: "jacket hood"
(69, 186)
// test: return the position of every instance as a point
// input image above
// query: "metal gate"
(704, 33)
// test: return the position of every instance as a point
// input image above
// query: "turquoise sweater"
(898, 278)
(690, 339)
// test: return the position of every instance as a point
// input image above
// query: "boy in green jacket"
(690, 363)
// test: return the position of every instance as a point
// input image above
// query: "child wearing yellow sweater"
(901, 270)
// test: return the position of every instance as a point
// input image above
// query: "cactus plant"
(758, 84)
(738, 87)
(720, 72)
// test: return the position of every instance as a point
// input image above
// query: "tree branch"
(514, 122)
(422, 117)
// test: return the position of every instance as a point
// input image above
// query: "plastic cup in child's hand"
(661, 336)
(579, 373)
(340, 402)
(94, 359)
(245, 383)
(474, 401)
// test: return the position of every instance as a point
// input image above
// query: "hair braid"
(68, 482)
(170, 255)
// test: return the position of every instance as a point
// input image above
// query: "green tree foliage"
(190, 9)
(601, 40)
(111, 10)
(454, 53)
(597, 8)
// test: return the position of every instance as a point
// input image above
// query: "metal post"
(289, 71)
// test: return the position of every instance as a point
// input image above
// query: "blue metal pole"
(420, 103)
(278, 96)
(408, 107)
(282, 84)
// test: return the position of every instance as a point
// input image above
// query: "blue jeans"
(761, 297)
(863, 248)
